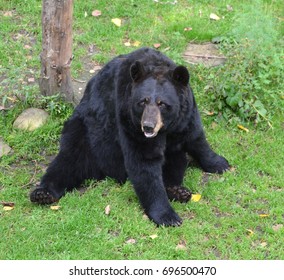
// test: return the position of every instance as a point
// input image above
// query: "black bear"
(137, 119)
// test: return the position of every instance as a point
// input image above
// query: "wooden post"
(56, 56)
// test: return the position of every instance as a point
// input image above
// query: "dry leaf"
(136, 44)
(8, 208)
(209, 113)
(277, 227)
(243, 128)
(263, 215)
(153, 236)
(145, 217)
(187, 29)
(85, 14)
(116, 21)
(167, 49)
(181, 245)
(8, 14)
(263, 244)
(107, 210)
(156, 46)
(54, 207)
(195, 197)
(127, 44)
(130, 241)
(229, 8)
(27, 47)
(214, 16)
(31, 80)
(250, 232)
(96, 13)
(5, 203)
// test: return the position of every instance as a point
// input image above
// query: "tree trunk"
(56, 56)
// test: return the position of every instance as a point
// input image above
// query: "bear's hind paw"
(178, 193)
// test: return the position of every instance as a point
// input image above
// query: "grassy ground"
(240, 214)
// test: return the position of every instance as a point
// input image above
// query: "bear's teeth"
(150, 135)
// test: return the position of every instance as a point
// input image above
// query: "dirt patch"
(207, 54)
(89, 70)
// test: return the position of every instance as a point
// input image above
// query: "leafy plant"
(252, 78)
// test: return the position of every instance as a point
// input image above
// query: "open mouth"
(150, 134)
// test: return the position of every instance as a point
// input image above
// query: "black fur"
(104, 137)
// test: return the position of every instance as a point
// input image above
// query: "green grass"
(224, 224)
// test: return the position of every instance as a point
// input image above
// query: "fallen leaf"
(8, 14)
(8, 208)
(107, 210)
(130, 241)
(263, 215)
(156, 46)
(116, 21)
(96, 13)
(187, 29)
(263, 244)
(181, 245)
(136, 44)
(250, 232)
(166, 49)
(5, 203)
(243, 128)
(195, 197)
(153, 236)
(214, 16)
(85, 14)
(27, 47)
(208, 113)
(229, 8)
(277, 227)
(145, 217)
(127, 44)
(31, 80)
(54, 207)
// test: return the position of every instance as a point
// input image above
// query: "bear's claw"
(42, 196)
(178, 193)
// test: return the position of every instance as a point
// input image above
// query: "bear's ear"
(137, 71)
(181, 75)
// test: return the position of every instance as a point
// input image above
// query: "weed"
(249, 86)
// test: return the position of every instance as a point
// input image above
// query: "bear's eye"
(161, 104)
(144, 101)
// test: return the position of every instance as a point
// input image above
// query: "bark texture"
(56, 56)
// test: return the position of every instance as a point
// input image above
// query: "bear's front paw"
(178, 193)
(216, 164)
(42, 196)
(165, 218)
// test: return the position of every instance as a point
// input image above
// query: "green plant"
(252, 79)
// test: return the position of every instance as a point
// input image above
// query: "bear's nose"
(148, 127)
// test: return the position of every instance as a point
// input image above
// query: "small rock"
(31, 119)
(4, 148)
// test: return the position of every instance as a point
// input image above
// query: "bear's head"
(156, 100)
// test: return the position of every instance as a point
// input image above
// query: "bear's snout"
(151, 121)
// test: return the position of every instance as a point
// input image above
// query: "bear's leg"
(71, 166)
(149, 187)
(146, 176)
(173, 173)
(209, 161)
